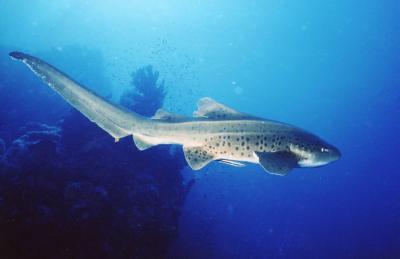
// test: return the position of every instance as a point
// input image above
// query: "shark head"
(313, 151)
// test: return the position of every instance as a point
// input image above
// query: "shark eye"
(324, 149)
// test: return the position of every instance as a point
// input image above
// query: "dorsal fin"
(210, 109)
(166, 116)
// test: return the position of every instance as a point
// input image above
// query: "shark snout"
(330, 154)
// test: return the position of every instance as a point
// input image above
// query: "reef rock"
(69, 191)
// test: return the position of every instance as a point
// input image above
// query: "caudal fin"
(115, 120)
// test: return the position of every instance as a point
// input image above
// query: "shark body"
(215, 133)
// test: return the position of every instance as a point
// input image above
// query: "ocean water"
(68, 191)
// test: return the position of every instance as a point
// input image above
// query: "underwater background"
(68, 191)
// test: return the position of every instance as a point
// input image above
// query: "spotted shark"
(216, 132)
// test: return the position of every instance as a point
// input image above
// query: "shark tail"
(115, 120)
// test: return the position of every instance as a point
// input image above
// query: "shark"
(215, 132)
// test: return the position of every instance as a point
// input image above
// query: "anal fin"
(144, 142)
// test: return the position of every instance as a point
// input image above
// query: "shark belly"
(210, 140)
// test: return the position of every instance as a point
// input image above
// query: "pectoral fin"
(279, 163)
(197, 157)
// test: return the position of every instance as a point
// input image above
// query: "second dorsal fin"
(210, 109)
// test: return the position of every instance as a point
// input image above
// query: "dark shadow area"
(66, 189)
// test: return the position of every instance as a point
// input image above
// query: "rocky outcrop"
(69, 191)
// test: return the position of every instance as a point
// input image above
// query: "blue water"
(67, 191)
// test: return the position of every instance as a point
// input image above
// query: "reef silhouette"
(68, 191)
(147, 90)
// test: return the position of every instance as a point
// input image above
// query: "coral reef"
(147, 90)
(69, 191)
